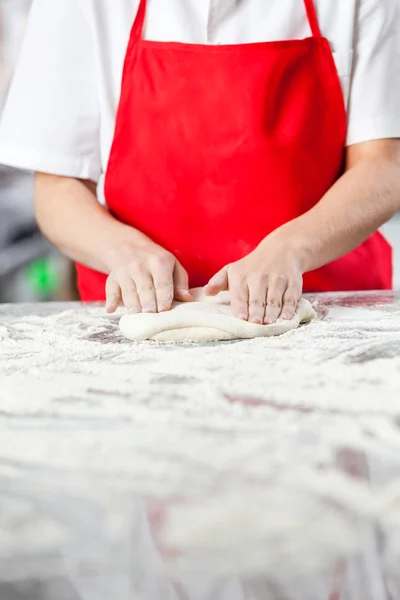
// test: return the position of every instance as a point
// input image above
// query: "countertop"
(251, 470)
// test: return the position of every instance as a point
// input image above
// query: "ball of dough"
(206, 319)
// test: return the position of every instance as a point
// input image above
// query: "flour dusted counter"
(262, 469)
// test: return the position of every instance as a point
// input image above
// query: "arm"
(70, 216)
(363, 199)
(59, 131)
(141, 274)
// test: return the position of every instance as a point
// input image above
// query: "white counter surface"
(250, 470)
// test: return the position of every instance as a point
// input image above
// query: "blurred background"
(30, 270)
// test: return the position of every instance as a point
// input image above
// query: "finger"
(276, 291)
(218, 283)
(164, 286)
(129, 293)
(181, 284)
(239, 293)
(145, 290)
(257, 301)
(164, 293)
(113, 295)
(290, 301)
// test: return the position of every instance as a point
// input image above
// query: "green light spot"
(42, 276)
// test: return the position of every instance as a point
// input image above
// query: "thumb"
(219, 283)
(181, 284)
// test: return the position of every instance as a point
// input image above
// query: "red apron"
(217, 146)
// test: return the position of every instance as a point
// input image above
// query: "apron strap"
(138, 26)
(309, 4)
(312, 18)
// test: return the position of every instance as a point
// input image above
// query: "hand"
(146, 278)
(265, 285)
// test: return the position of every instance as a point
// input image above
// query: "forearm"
(366, 197)
(70, 216)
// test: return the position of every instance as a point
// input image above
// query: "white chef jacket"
(61, 109)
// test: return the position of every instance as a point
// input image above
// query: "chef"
(242, 145)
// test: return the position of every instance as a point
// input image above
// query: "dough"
(205, 320)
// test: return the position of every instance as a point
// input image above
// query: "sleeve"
(374, 104)
(51, 119)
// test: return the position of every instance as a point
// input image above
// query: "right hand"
(146, 278)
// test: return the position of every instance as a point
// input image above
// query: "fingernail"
(186, 294)
(150, 308)
(256, 321)
(163, 307)
(110, 307)
(269, 321)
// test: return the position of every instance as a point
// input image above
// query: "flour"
(356, 314)
(88, 414)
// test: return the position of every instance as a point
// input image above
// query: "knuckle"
(113, 289)
(237, 284)
(163, 260)
(291, 302)
(274, 302)
(138, 267)
(257, 283)
(146, 288)
(129, 290)
(119, 272)
(257, 303)
(260, 277)
(112, 294)
(263, 282)
(280, 278)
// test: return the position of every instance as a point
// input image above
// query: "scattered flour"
(90, 415)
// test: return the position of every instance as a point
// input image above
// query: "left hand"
(265, 285)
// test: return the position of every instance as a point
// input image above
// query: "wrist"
(294, 240)
(120, 248)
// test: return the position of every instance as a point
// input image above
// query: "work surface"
(262, 469)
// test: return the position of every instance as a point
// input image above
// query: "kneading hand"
(265, 285)
(147, 279)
